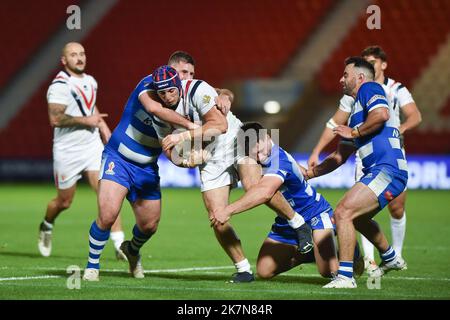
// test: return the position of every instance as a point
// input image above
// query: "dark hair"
(375, 51)
(249, 135)
(360, 62)
(178, 56)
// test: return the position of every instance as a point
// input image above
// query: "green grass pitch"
(184, 261)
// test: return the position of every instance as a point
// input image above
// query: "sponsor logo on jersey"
(314, 221)
(110, 170)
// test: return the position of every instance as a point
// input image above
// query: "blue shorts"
(385, 183)
(141, 182)
(285, 234)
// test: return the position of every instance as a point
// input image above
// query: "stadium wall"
(425, 172)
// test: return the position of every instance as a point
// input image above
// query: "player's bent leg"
(225, 234)
(275, 257)
(62, 202)
(110, 198)
(398, 222)
(148, 214)
(117, 234)
(325, 252)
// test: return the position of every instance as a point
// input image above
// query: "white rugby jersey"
(79, 96)
(398, 96)
(197, 99)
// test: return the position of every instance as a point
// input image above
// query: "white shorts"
(68, 165)
(221, 169)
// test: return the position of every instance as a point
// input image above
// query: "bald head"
(73, 58)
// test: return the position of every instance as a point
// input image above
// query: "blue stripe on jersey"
(136, 116)
(381, 148)
(54, 82)
(301, 196)
(80, 106)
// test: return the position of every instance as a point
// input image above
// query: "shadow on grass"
(31, 255)
(225, 278)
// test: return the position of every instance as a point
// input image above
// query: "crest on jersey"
(110, 170)
(206, 99)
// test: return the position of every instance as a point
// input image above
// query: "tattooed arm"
(58, 118)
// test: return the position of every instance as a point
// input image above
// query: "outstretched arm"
(258, 194)
(339, 118)
(332, 162)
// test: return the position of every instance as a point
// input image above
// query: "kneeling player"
(281, 172)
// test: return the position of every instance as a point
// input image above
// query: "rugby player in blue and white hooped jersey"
(385, 170)
(282, 173)
(129, 169)
(402, 103)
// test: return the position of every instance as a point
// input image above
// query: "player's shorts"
(385, 183)
(141, 182)
(69, 164)
(285, 234)
(359, 167)
(220, 170)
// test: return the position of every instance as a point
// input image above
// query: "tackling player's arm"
(105, 132)
(375, 120)
(339, 118)
(412, 116)
(332, 162)
(215, 124)
(151, 105)
(58, 118)
(258, 194)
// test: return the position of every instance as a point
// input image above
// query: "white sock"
(243, 266)
(117, 237)
(296, 221)
(398, 228)
(367, 248)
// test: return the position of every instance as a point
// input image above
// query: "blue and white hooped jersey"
(302, 197)
(383, 147)
(136, 137)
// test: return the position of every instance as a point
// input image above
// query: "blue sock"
(389, 255)
(139, 239)
(346, 269)
(97, 241)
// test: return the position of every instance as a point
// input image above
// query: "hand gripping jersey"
(79, 95)
(135, 138)
(381, 148)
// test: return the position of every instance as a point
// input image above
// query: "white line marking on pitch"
(28, 278)
(208, 269)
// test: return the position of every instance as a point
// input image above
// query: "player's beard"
(348, 87)
(78, 68)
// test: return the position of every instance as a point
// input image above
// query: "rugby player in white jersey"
(404, 106)
(196, 100)
(79, 130)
